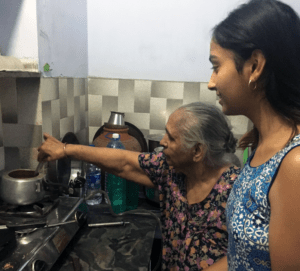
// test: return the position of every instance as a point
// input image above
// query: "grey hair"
(206, 124)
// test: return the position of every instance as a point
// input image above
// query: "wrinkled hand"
(52, 149)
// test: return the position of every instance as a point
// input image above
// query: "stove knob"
(38, 265)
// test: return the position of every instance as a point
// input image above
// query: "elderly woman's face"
(176, 154)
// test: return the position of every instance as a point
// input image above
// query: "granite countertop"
(117, 248)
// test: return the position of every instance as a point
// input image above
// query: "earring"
(255, 84)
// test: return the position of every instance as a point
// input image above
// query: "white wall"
(18, 29)
(136, 39)
(62, 37)
(156, 40)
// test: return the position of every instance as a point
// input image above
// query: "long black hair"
(274, 28)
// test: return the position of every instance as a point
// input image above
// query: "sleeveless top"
(248, 214)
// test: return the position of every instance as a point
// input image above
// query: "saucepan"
(24, 187)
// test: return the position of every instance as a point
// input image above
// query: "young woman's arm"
(122, 163)
(284, 195)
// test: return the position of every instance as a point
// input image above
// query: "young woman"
(255, 53)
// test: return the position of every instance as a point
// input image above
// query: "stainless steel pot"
(21, 187)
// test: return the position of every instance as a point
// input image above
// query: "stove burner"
(24, 232)
(37, 210)
(33, 243)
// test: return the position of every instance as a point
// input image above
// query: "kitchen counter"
(118, 248)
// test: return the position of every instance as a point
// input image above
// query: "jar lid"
(115, 135)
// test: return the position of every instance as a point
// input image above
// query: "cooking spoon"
(38, 168)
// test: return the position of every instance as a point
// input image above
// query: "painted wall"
(157, 40)
(161, 40)
(62, 37)
(18, 29)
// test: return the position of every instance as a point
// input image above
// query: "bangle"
(65, 153)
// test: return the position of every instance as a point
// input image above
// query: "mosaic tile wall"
(31, 106)
(21, 131)
(148, 104)
(64, 107)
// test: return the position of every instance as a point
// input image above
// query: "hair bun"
(230, 145)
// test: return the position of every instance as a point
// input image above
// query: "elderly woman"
(193, 174)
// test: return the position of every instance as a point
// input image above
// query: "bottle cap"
(115, 135)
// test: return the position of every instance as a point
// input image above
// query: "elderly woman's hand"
(51, 149)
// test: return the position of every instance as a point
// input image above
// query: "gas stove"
(39, 248)
(36, 210)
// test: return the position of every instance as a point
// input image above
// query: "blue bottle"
(93, 183)
(116, 186)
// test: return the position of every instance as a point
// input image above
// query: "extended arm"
(122, 163)
(284, 198)
(220, 265)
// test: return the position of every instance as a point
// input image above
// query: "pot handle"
(38, 187)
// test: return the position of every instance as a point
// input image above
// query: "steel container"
(21, 187)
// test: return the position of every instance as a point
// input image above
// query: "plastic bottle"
(116, 186)
(93, 182)
(132, 195)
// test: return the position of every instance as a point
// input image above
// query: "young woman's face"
(231, 86)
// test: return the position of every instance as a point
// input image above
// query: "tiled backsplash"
(21, 121)
(148, 104)
(64, 107)
(31, 106)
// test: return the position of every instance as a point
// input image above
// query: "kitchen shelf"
(19, 74)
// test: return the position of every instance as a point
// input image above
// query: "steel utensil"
(80, 217)
(38, 168)
(107, 224)
(116, 118)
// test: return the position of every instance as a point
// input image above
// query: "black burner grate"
(36, 210)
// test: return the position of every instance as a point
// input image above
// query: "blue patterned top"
(248, 214)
